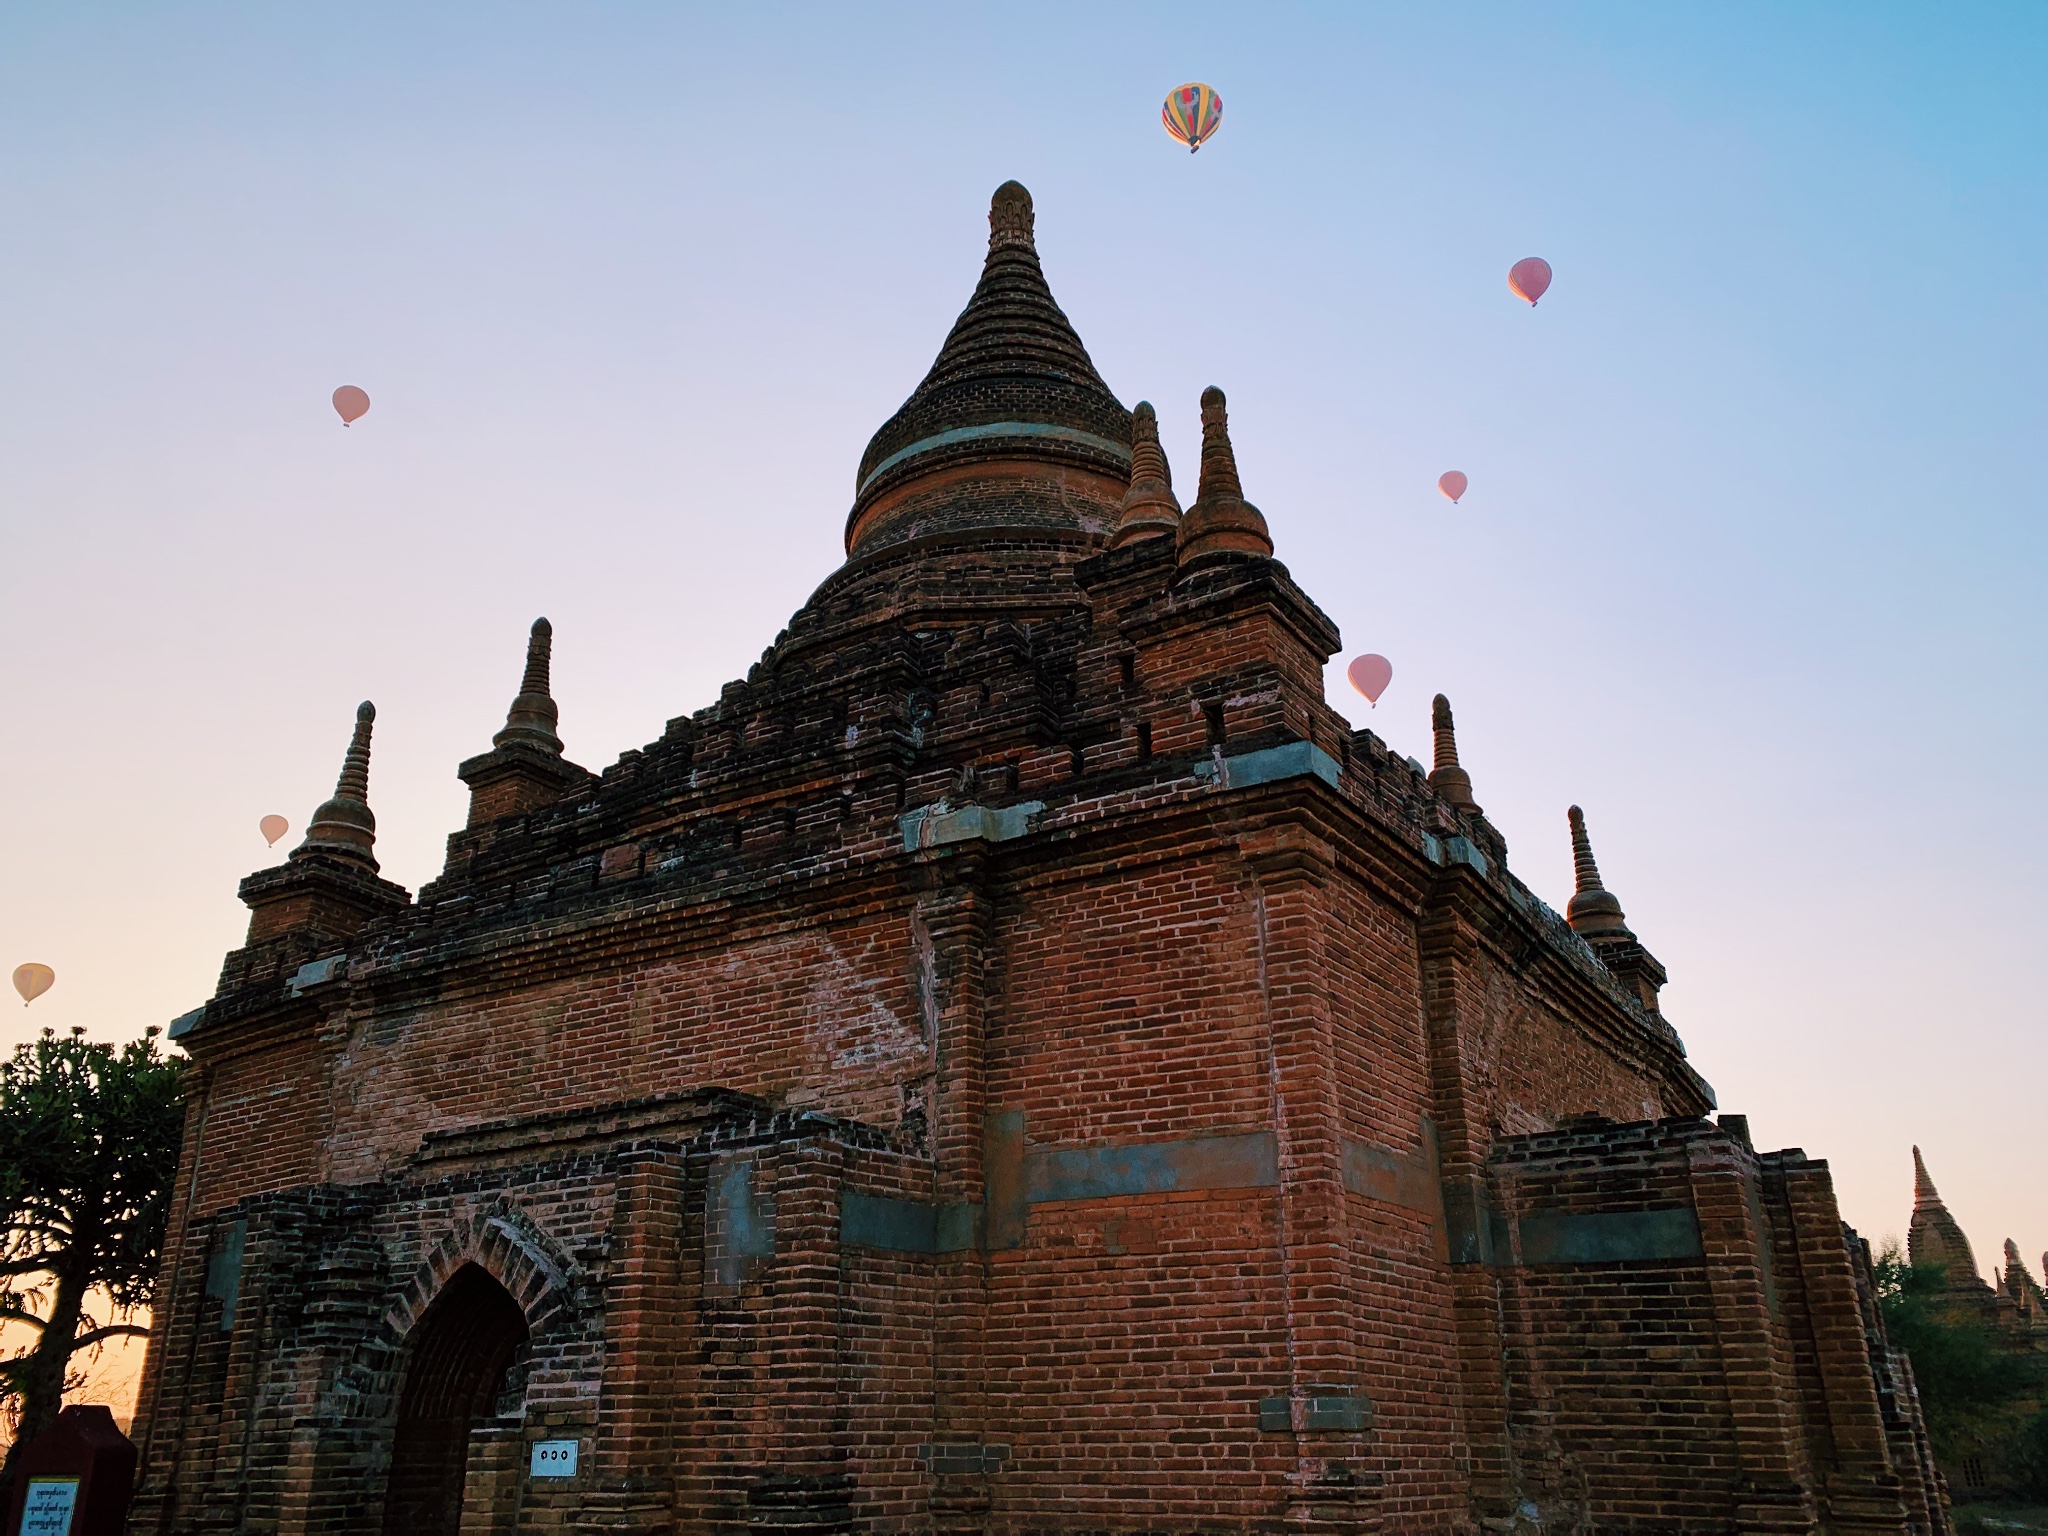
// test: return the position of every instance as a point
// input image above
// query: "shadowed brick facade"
(1017, 1062)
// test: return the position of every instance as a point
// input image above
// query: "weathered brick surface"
(1017, 1063)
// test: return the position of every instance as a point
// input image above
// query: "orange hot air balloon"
(1370, 676)
(1529, 279)
(32, 981)
(351, 403)
(1452, 483)
(272, 828)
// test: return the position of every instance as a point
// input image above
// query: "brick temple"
(1018, 1062)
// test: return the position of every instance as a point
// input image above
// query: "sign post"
(75, 1478)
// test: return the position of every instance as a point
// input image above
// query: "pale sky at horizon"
(1751, 566)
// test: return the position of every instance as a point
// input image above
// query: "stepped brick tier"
(1018, 1062)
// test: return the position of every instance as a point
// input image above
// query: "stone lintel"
(1291, 760)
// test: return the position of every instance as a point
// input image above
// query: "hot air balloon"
(1529, 278)
(351, 403)
(1452, 483)
(32, 981)
(272, 828)
(1370, 676)
(1191, 114)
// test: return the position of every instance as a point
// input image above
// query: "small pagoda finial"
(1587, 872)
(343, 827)
(1448, 779)
(1221, 520)
(2012, 1254)
(1593, 911)
(531, 720)
(353, 783)
(1446, 731)
(1150, 507)
(1010, 218)
(1219, 459)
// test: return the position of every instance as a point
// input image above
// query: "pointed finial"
(1446, 731)
(1010, 218)
(1448, 779)
(343, 827)
(2012, 1254)
(1219, 459)
(1221, 521)
(1593, 911)
(1583, 867)
(1150, 508)
(1924, 1192)
(531, 720)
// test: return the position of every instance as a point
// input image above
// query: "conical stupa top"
(1925, 1194)
(1150, 508)
(343, 827)
(531, 720)
(1933, 1236)
(1012, 381)
(1221, 520)
(1447, 778)
(1593, 911)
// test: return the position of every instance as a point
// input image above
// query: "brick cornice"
(1230, 590)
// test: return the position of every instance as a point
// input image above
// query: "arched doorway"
(458, 1356)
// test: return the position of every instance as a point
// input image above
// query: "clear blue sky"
(1751, 565)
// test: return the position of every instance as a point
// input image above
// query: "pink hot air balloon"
(1452, 483)
(351, 403)
(1370, 676)
(272, 828)
(32, 981)
(1529, 278)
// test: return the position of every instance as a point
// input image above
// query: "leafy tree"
(88, 1148)
(1976, 1395)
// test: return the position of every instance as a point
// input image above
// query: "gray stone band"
(1118, 451)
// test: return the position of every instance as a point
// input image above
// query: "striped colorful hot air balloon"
(1191, 114)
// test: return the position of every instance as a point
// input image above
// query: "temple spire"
(1593, 912)
(531, 720)
(1221, 521)
(1933, 1236)
(1150, 507)
(1925, 1195)
(343, 827)
(1447, 778)
(525, 769)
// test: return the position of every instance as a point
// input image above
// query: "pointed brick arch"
(473, 1304)
(504, 1245)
